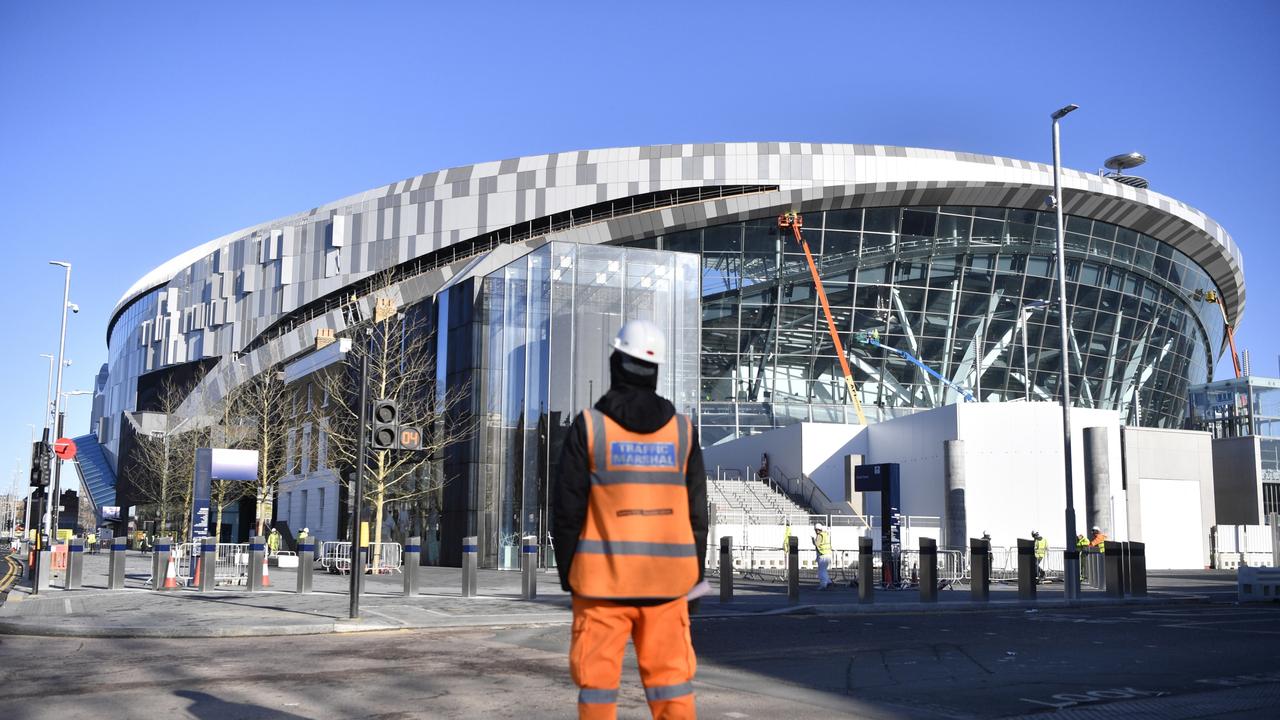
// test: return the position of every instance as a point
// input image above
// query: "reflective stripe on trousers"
(664, 652)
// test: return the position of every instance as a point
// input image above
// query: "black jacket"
(633, 404)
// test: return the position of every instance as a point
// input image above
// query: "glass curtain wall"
(961, 288)
(549, 319)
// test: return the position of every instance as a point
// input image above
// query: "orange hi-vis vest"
(637, 542)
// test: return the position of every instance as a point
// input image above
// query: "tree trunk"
(217, 524)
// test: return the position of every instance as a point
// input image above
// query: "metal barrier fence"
(335, 557)
(231, 562)
(769, 564)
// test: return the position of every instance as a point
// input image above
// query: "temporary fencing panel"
(335, 557)
(1236, 545)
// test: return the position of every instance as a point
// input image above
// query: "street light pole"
(1071, 569)
(51, 519)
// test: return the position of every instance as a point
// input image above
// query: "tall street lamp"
(51, 516)
(1071, 569)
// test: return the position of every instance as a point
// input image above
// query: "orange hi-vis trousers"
(664, 651)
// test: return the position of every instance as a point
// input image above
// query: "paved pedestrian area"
(231, 611)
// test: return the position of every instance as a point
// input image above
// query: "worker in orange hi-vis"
(630, 533)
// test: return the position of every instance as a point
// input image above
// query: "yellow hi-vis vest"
(637, 541)
(1042, 548)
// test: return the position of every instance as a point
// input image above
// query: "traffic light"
(39, 464)
(386, 425)
(388, 433)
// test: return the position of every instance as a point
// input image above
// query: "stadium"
(522, 268)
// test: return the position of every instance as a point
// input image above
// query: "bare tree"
(402, 369)
(230, 434)
(164, 465)
(256, 410)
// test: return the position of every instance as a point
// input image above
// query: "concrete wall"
(1013, 463)
(1169, 477)
(1237, 488)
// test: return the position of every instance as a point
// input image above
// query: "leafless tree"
(255, 416)
(164, 465)
(402, 369)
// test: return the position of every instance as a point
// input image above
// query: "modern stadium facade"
(524, 267)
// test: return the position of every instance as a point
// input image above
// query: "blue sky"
(130, 132)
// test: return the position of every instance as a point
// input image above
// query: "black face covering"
(626, 371)
(632, 401)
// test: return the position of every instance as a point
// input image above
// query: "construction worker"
(630, 532)
(786, 537)
(1082, 546)
(273, 542)
(1042, 551)
(1099, 540)
(91, 542)
(303, 534)
(822, 542)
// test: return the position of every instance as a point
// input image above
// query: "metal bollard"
(1138, 568)
(306, 565)
(529, 567)
(412, 560)
(979, 570)
(1113, 561)
(1027, 574)
(257, 559)
(75, 564)
(45, 558)
(793, 570)
(928, 570)
(866, 571)
(726, 569)
(160, 562)
(207, 578)
(115, 565)
(470, 559)
(1126, 567)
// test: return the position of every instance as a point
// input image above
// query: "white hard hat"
(642, 340)
(819, 526)
(306, 529)
(1097, 529)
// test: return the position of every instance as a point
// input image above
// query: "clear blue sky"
(130, 132)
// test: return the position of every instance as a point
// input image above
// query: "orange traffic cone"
(171, 576)
(266, 581)
(195, 579)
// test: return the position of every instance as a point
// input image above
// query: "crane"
(873, 340)
(794, 221)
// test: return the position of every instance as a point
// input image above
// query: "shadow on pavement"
(208, 707)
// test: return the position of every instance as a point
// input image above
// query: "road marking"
(1067, 699)
(66, 606)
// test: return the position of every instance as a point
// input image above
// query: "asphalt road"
(1218, 661)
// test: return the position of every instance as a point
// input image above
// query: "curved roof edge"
(791, 165)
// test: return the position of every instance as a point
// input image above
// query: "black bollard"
(75, 564)
(1138, 568)
(115, 565)
(979, 570)
(928, 570)
(866, 571)
(412, 563)
(307, 564)
(793, 570)
(529, 567)
(470, 558)
(1027, 572)
(207, 578)
(1113, 561)
(726, 569)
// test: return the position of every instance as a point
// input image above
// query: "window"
(320, 513)
(302, 516)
